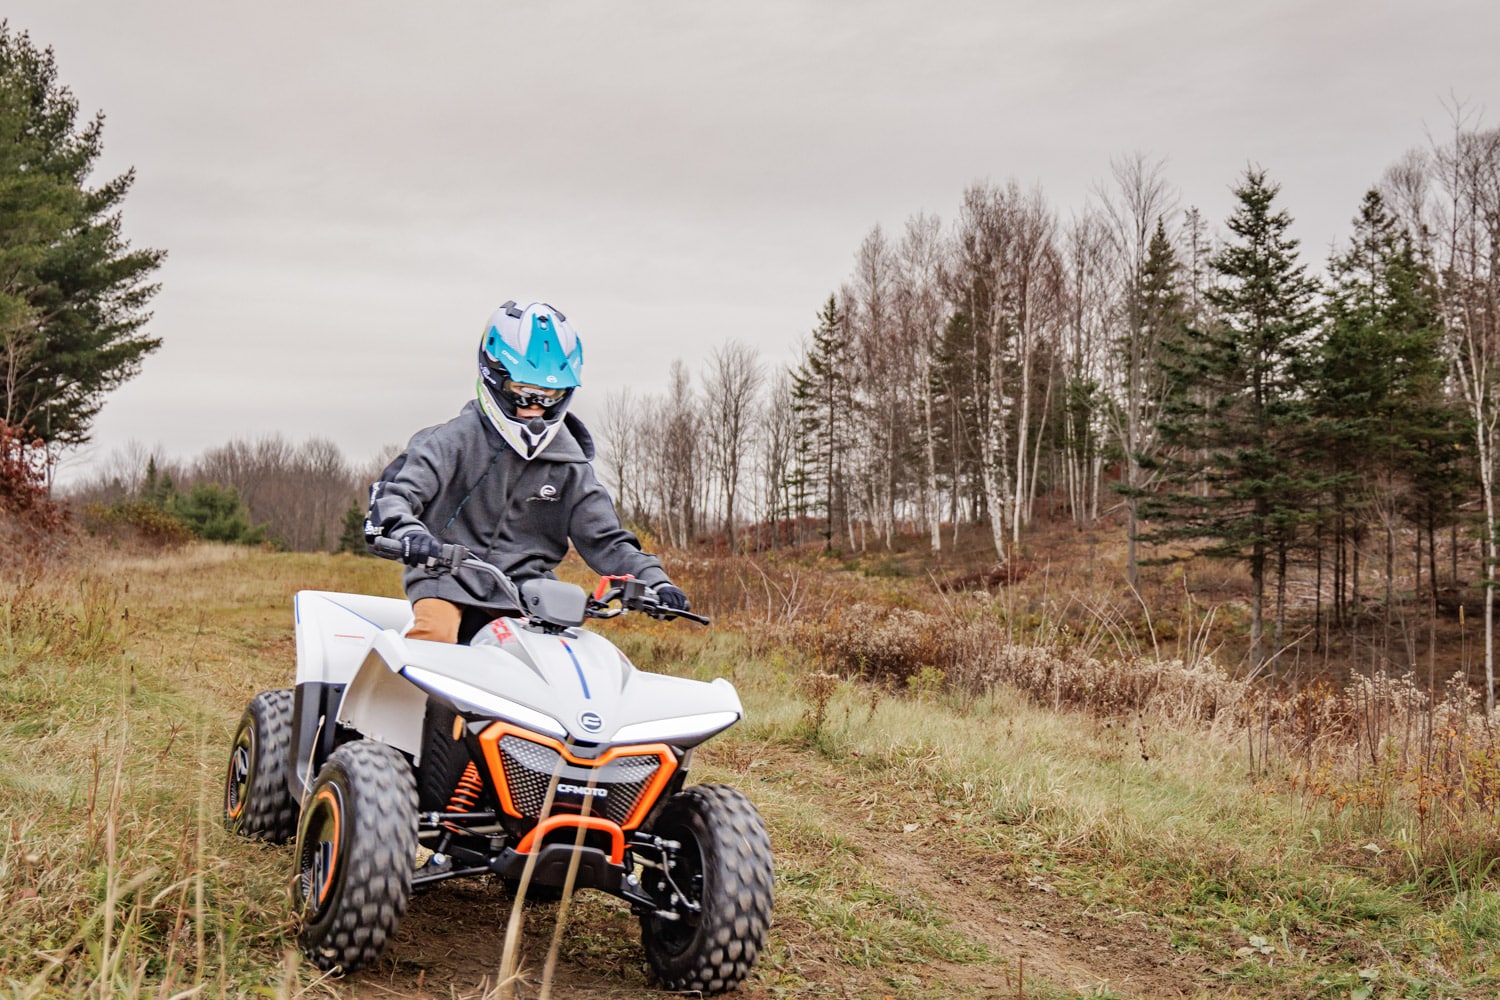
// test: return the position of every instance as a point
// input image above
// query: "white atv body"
(537, 752)
(573, 685)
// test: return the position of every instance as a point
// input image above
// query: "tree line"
(305, 496)
(1207, 387)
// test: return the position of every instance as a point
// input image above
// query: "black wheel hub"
(680, 890)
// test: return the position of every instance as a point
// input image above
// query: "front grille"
(529, 768)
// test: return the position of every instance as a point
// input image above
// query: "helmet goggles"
(520, 394)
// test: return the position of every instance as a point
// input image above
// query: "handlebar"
(450, 558)
(632, 594)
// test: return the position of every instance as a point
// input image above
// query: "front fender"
(382, 704)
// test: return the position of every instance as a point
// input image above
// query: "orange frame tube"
(568, 820)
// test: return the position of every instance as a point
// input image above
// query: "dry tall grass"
(1051, 736)
(1384, 753)
(111, 868)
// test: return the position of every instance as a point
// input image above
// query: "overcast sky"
(347, 190)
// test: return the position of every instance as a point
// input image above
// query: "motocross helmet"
(528, 357)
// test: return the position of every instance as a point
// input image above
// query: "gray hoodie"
(463, 483)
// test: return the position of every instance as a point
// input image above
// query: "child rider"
(510, 479)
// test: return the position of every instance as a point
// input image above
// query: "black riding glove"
(418, 548)
(672, 597)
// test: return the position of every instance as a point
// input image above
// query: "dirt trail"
(450, 942)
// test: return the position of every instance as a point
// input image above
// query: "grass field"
(933, 839)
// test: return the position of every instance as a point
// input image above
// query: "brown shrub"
(23, 481)
(900, 647)
(32, 527)
(1012, 572)
(136, 523)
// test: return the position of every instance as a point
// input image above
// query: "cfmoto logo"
(566, 789)
(591, 722)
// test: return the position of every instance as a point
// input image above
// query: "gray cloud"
(347, 189)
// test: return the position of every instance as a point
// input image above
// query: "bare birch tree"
(883, 373)
(1466, 225)
(1086, 377)
(623, 463)
(921, 311)
(983, 236)
(776, 455)
(732, 378)
(1136, 209)
(673, 427)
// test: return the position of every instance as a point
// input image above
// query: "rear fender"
(334, 631)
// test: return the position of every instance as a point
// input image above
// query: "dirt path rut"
(1039, 942)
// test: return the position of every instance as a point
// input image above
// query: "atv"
(536, 752)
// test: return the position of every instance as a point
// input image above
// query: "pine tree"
(1385, 423)
(216, 513)
(1237, 417)
(352, 533)
(1156, 317)
(823, 396)
(157, 489)
(73, 304)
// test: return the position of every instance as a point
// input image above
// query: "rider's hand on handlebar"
(671, 596)
(418, 548)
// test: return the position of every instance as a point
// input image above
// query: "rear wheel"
(356, 846)
(258, 801)
(718, 883)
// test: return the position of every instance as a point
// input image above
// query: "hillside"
(1073, 817)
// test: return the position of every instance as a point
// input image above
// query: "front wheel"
(355, 849)
(718, 882)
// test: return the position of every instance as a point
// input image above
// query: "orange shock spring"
(465, 796)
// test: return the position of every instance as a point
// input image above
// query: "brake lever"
(662, 613)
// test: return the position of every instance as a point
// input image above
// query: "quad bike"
(535, 752)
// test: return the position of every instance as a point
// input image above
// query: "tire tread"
(734, 924)
(376, 883)
(270, 811)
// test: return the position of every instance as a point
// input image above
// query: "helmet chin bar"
(528, 436)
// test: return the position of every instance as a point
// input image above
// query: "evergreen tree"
(73, 303)
(1156, 319)
(216, 513)
(158, 489)
(352, 535)
(1385, 423)
(1239, 481)
(823, 396)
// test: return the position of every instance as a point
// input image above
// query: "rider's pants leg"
(436, 620)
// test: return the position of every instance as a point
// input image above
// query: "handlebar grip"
(386, 548)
